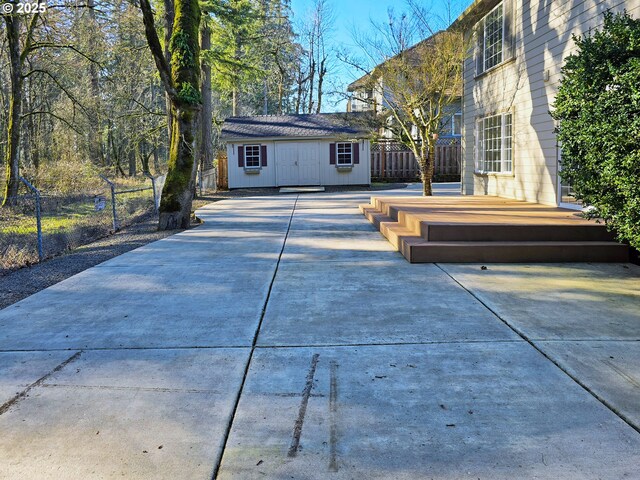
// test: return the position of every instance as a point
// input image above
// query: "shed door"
(298, 163)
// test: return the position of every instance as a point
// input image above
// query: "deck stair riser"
(468, 230)
(513, 233)
(513, 252)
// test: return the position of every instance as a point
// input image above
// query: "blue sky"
(357, 15)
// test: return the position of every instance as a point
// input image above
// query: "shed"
(295, 150)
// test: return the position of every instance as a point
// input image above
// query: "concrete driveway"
(285, 338)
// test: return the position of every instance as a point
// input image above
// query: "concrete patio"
(286, 338)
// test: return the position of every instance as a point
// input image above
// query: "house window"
(344, 154)
(495, 38)
(456, 124)
(252, 156)
(494, 144)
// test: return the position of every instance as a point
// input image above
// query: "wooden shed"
(296, 150)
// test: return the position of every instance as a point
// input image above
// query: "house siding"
(527, 86)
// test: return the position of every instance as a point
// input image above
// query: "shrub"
(598, 109)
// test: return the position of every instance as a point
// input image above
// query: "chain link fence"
(35, 225)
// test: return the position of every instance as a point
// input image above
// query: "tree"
(17, 58)
(598, 110)
(181, 81)
(414, 85)
(315, 61)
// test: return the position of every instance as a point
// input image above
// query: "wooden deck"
(490, 229)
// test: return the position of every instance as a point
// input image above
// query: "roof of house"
(473, 13)
(365, 80)
(309, 126)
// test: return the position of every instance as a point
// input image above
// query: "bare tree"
(311, 77)
(414, 84)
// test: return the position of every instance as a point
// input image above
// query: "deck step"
(442, 232)
(488, 237)
(420, 251)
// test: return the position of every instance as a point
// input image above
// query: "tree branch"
(156, 50)
(67, 123)
(60, 86)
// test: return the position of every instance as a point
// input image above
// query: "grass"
(67, 222)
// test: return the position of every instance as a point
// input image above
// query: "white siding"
(527, 87)
(239, 178)
(360, 174)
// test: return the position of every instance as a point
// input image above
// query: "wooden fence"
(393, 161)
(223, 172)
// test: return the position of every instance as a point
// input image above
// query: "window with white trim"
(456, 124)
(494, 144)
(344, 154)
(493, 38)
(252, 156)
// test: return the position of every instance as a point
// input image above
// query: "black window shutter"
(356, 152)
(263, 155)
(240, 156)
(509, 31)
(479, 47)
(332, 154)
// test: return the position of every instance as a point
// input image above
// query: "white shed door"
(298, 163)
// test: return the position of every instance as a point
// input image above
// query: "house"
(296, 150)
(510, 83)
(369, 94)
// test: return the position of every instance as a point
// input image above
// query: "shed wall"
(360, 174)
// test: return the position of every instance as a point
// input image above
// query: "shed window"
(252, 156)
(494, 147)
(345, 155)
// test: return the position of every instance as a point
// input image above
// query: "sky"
(357, 15)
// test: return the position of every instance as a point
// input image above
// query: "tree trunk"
(169, 15)
(234, 102)
(132, 162)
(15, 103)
(181, 81)
(322, 71)
(156, 160)
(426, 168)
(312, 73)
(206, 140)
(96, 149)
(177, 194)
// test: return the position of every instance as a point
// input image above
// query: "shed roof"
(296, 126)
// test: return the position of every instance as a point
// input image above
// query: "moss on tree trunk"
(181, 79)
(177, 194)
(12, 175)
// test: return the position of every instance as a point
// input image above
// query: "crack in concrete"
(333, 416)
(135, 389)
(227, 432)
(306, 393)
(541, 351)
(23, 394)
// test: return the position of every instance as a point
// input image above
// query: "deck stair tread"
(490, 229)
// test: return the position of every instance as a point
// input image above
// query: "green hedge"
(598, 109)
